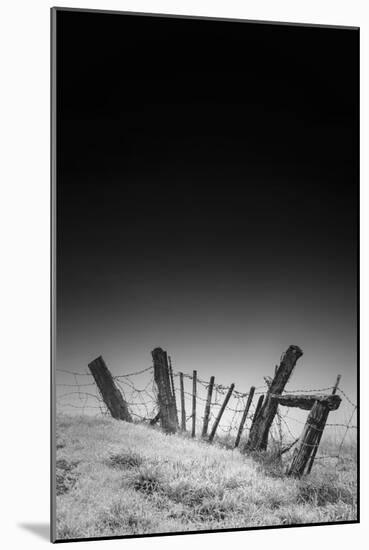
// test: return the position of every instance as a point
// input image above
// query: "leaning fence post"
(167, 409)
(194, 392)
(109, 392)
(244, 416)
(173, 387)
(308, 439)
(207, 407)
(257, 410)
(259, 431)
(183, 407)
(315, 450)
(220, 413)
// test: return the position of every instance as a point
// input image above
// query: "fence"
(254, 420)
(81, 394)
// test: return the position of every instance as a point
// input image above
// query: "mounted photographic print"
(205, 188)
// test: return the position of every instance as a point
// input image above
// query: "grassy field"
(115, 478)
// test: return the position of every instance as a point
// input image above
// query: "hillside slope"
(115, 478)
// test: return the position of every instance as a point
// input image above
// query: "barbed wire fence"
(287, 426)
(335, 445)
(80, 394)
(231, 418)
(138, 391)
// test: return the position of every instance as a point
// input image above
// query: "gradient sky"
(207, 185)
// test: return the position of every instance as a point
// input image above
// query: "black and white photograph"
(205, 224)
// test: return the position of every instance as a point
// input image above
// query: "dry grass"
(116, 478)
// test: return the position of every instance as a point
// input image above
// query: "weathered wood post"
(109, 392)
(194, 395)
(335, 387)
(315, 450)
(308, 440)
(258, 438)
(173, 386)
(183, 406)
(279, 421)
(257, 410)
(312, 434)
(166, 402)
(244, 416)
(207, 407)
(220, 413)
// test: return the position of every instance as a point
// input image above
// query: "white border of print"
(25, 285)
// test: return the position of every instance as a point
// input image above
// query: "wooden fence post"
(315, 450)
(111, 395)
(166, 402)
(258, 438)
(183, 407)
(244, 416)
(220, 413)
(257, 410)
(173, 387)
(308, 439)
(207, 407)
(194, 392)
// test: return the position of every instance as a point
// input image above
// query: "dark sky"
(207, 183)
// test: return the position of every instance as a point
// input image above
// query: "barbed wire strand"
(143, 406)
